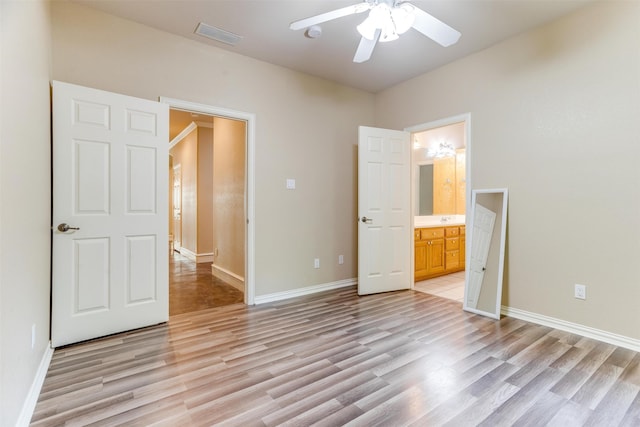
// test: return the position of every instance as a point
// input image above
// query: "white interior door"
(110, 180)
(483, 223)
(384, 205)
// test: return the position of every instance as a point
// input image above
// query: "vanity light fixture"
(443, 149)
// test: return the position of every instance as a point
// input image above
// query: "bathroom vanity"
(439, 250)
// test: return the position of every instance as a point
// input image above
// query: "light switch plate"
(291, 184)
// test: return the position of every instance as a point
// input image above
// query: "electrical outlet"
(33, 336)
(316, 263)
(340, 259)
(580, 291)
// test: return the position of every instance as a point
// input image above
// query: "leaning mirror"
(485, 268)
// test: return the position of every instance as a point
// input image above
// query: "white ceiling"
(264, 26)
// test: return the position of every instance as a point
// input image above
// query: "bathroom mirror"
(439, 170)
(485, 259)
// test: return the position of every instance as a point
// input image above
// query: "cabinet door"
(420, 260)
(435, 256)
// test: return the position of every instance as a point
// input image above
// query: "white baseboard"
(574, 328)
(229, 277)
(198, 258)
(187, 253)
(261, 299)
(204, 258)
(34, 391)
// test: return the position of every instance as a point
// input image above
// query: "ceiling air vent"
(217, 34)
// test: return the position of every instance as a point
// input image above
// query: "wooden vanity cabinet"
(437, 251)
(452, 249)
(429, 252)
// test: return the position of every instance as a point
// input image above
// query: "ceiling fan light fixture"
(378, 18)
(386, 20)
(402, 17)
(388, 34)
(367, 29)
(391, 21)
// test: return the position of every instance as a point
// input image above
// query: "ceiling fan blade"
(434, 28)
(328, 16)
(365, 48)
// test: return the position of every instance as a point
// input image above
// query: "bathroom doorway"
(440, 201)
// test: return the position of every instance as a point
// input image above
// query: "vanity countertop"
(436, 221)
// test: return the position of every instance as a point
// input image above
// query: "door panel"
(483, 223)
(384, 230)
(110, 157)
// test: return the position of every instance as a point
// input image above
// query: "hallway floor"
(192, 287)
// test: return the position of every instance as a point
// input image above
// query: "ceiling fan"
(386, 21)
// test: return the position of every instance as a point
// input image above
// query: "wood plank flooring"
(395, 359)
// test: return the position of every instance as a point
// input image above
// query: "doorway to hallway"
(209, 210)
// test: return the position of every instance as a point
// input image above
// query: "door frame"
(466, 118)
(249, 205)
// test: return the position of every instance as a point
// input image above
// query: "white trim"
(278, 296)
(250, 119)
(205, 125)
(193, 256)
(227, 276)
(574, 328)
(204, 258)
(190, 255)
(182, 135)
(29, 404)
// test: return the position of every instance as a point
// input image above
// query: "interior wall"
(554, 117)
(229, 194)
(185, 154)
(306, 129)
(25, 199)
(205, 190)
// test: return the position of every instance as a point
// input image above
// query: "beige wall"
(306, 128)
(205, 190)
(25, 200)
(228, 191)
(185, 154)
(554, 117)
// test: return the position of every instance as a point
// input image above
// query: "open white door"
(110, 230)
(384, 205)
(483, 222)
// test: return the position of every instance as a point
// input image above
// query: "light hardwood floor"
(401, 358)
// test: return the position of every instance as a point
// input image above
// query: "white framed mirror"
(485, 262)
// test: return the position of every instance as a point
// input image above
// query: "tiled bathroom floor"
(450, 286)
